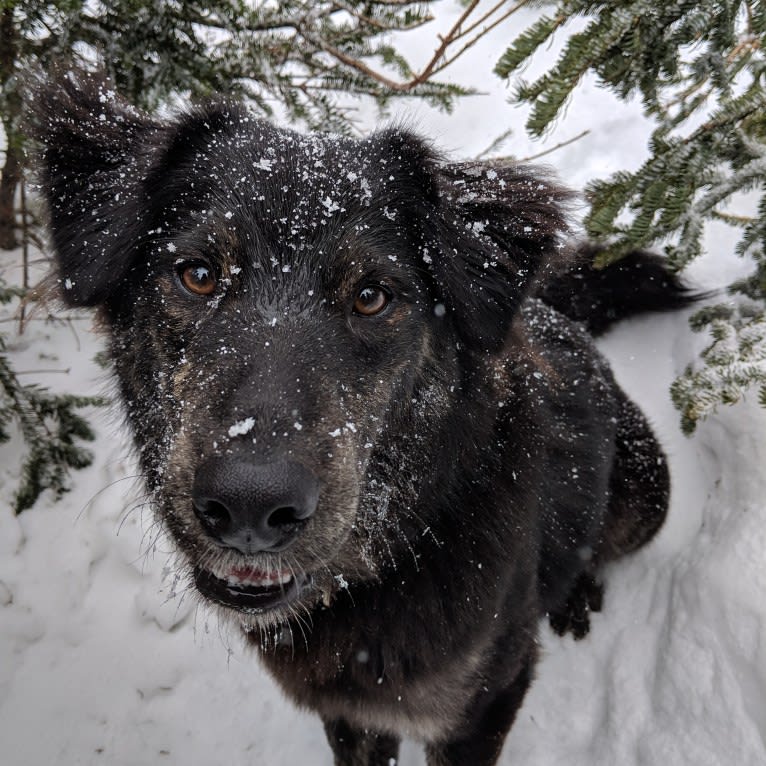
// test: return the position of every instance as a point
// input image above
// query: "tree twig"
(496, 143)
(45, 372)
(436, 63)
(554, 148)
(24, 255)
(479, 35)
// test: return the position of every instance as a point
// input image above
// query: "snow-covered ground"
(101, 663)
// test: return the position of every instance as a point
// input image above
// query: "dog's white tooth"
(219, 572)
(261, 581)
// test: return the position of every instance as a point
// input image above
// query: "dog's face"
(279, 317)
(292, 318)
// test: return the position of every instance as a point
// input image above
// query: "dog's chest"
(424, 703)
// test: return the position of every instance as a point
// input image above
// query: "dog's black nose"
(252, 507)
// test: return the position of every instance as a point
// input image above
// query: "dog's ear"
(94, 151)
(407, 160)
(498, 230)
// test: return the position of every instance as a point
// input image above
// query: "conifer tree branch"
(382, 26)
(688, 61)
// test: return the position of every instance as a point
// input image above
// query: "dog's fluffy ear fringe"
(93, 149)
(499, 230)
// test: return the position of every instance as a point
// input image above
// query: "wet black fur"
(477, 460)
(637, 283)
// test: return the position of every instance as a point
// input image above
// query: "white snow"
(241, 427)
(106, 659)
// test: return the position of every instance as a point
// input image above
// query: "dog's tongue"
(247, 573)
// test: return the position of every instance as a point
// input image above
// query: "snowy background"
(100, 663)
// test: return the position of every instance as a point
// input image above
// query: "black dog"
(375, 448)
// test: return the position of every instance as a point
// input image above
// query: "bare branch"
(437, 62)
(490, 13)
(479, 35)
(446, 41)
(555, 148)
(496, 143)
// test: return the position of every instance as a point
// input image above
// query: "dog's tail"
(638, 283)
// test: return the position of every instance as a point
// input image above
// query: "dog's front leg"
(480, 740)
(358, 747)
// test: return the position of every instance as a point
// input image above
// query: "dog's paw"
(586, 596)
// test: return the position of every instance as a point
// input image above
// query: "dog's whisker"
(136, 478)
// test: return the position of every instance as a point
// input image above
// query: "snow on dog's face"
(279, 318)
(276, 304)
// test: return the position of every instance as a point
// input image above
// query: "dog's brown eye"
(371, 300)
(197, 278)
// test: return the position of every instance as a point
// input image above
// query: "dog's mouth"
(251, 590)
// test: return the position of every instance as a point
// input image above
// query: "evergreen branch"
(391, 26)
(702, 61)
(582, 50)
(747, 46)
(526, 44)
(50, 428)
(736, 360)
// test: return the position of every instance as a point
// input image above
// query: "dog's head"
(293, 319)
